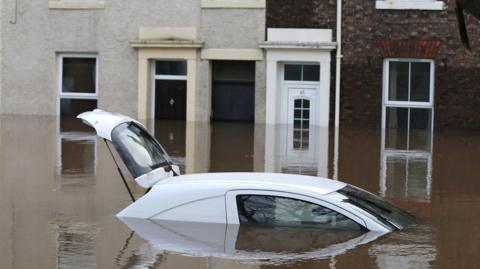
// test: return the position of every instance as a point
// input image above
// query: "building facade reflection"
(76, 155)
(406, 163)
(297, 150)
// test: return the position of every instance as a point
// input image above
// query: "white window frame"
(301, 74)
(410, 4)
(74, 136)
(67, 95)
(386, 154)
(406, 104)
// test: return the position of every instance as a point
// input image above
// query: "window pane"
(281, 211)
(396, 126)
(306, 103)
(311, 72)
(398, 81)
(420, 118)
(69, 109)
(73, 107)
(79, 75)
(177, 68)
(293, 72)
(298, 103)
(420, 82)
(306, 114)
(297, 124)
(297, 113)
(420, 129)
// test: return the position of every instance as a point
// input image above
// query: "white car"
(260, 199)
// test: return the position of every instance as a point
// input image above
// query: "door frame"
(163, 77)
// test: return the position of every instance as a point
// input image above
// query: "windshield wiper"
(371, 212)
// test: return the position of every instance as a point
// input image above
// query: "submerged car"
(259, 199)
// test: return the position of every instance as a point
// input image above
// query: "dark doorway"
(233, 92)
(170, 99)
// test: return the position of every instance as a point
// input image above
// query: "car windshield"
(140, 152)
(388, 214)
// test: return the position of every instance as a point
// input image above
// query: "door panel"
(301, 118)
(170, 99)
(233, 101)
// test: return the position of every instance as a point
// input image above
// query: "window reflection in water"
(76, 245)
(76, 153)
(406, 157)
(77, 156)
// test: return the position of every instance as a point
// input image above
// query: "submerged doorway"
(170, 90)
(233, 92)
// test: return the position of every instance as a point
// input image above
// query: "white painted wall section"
(308, 46)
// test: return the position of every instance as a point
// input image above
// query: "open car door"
(145, 158)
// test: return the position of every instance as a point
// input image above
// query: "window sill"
(76, 5)
(411, 5)
(233, 4)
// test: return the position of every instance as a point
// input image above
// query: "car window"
(283, 211)
(140, 152)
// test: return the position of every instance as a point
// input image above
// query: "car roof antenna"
(120, 171)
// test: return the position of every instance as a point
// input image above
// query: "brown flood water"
(59, 193)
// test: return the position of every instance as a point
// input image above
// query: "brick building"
(405, 41)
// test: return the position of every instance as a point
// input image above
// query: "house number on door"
(302, 92)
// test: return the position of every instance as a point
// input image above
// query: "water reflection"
(414, 249)
(172, 135)
(406, 168)
(76, 245)
(282, 153)
(246, 243)
(52, 172)
(76, 152)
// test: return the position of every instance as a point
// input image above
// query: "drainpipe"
(337, 88)
(338, 63)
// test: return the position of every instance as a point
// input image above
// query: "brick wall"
(301, 13)
(366, 30)
(456, 79)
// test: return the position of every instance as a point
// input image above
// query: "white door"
(302, 110)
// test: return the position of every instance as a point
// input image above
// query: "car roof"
(259, 181)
